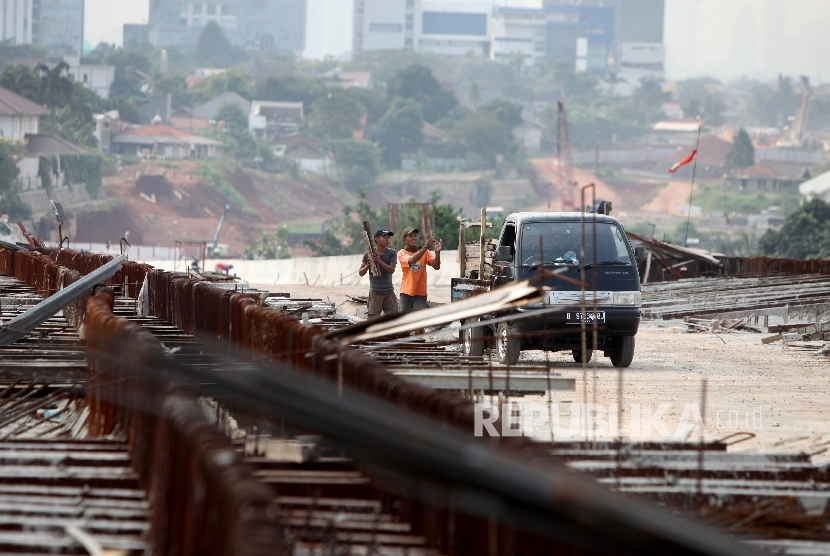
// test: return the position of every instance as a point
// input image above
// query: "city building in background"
(255, 25)
(136, 34)
(16, 21)
(519, 32)
(93, 73)
(384, 25)
(328, 29)
(58, 26)
(598, 36)
(580, 35)
(636, 47)
(434, 26)
(453, 28)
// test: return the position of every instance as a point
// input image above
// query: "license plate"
(589, 317)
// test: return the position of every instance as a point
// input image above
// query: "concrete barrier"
(328, 271)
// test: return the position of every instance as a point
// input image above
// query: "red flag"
(683, 162)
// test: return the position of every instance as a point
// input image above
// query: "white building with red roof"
(19, 116)
(163, 141)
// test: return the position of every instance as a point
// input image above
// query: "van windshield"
(560, 244)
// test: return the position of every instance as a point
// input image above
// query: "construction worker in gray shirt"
(382, 297)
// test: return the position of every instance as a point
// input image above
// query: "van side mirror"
(640, 253)
(503, 254)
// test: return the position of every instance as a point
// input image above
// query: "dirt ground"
(547, 171)
(671, 199)
(779, 394)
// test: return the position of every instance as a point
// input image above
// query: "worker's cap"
(407, 231)
(384, 233)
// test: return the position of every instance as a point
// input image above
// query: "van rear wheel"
(623, 353)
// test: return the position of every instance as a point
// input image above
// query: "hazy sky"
(756, 38)
(104, 19)
(723, 38)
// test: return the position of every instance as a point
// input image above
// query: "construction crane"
(798, 128)
(214, 248)
(564, 160)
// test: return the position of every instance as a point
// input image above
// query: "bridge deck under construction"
(83, 458)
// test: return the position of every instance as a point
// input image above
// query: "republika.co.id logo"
(573, 420)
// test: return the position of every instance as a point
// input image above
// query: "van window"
(561, 243)
(508, 237)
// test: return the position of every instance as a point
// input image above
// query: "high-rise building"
(58, 25)
(16, 20)
(435, 26)
(580, 35)
(634, 20)
(255, 25)
(328, 28)
(384, 25)
(454, 28)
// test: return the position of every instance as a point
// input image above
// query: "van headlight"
(632, 299)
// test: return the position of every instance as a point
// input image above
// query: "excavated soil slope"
(186, 200)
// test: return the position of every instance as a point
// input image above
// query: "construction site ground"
(783, 389)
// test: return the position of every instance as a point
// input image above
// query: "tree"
(804, 235)
(271, 245)
(375, 103)
(417, 82)
(446, 225)
(9, 151)
(473, 93)
(235, 119)
(21, 80)
(214, 49)
(742, 153)
(129, 65)
(71, 103)
(510, 114)
(55, 85)
(771, 106)
(336, 115)
(612, 80)
(481, 137)
(174, 84)
(10, 51)
(10, 202)
(558, 79)
(239, 145)
(358, 161)
(648, 98)
(399, 131)
(691, 108)
(343, 234)
(713, 108)
(232, 80)
(72, 125)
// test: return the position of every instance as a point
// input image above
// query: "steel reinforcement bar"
(766, 265)
(205, 499)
